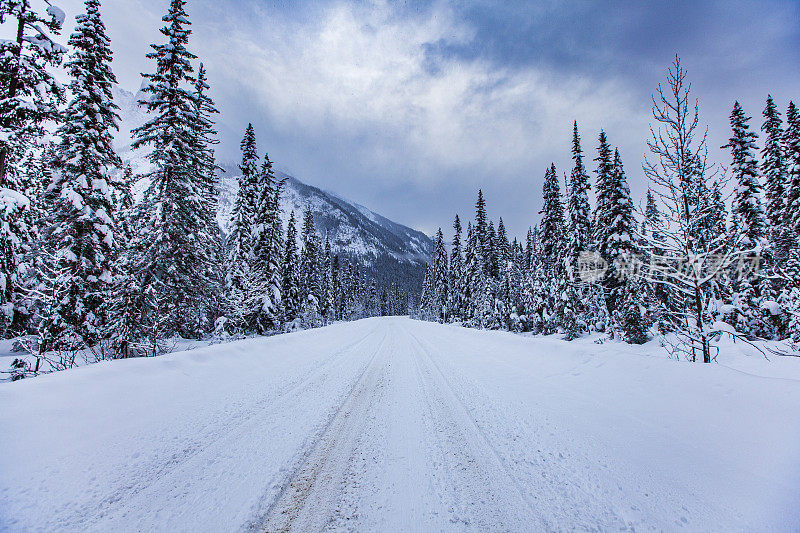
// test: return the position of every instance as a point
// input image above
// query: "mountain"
(391, 251)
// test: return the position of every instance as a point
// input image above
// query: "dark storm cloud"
(409, 107)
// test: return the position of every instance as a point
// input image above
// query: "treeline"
(87, 269)
(682, 262)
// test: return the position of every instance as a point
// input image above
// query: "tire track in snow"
(487, 495)
(565, 498)
(307, 499)
(153, 472)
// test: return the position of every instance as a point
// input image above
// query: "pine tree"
(456, 298)
(481, 231)
(173, 254)
(266, 249)
(240, 240)
(747, 202)
(440, 278)
(773, 168)
(29, 99)
(634, 318)
(29, 93)
(81, 229)
(551, 227)
(578, 205)
(290, 286)
(791, 219)
(327, 283)
(605, 190)
(310, 272)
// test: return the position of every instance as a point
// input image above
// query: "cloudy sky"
(410, 107)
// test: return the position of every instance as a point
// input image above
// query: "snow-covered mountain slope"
(390, 424)
(353, 229)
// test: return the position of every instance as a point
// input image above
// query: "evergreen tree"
(240, 239)
(456, 297)
(82, 230)
(266, 248)
(290, 287)
(634, 318)
(29, 99)
(29, 93)
(481, 231)
(773, 168)
(310, 273)
(172, 252)
(747, 202)
(327, 283)
(578, 205)
(605, 190)
(551, 227)
(791, 219)
(440, 278)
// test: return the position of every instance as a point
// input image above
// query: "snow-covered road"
(396, 425)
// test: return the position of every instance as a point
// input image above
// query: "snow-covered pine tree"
(551, 227)
(440, 278)
(578, 205)
(790, 273)
(605, 189)
(633, 316)
(266, 248)
(327, 282)
(552, 237)
(29, 93)
(791, 219)
(490, 251)
(240, 241)
(290, 287)
(456, 295)
(773, 168)
(310, 273)
(481, 230)
(749, 216)
(473, 273)
(744, 169)
(29, 99)
(173, 250)
(81, 230)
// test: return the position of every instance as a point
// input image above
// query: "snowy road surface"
(396, 425)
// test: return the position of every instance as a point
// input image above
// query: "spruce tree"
(551, 227)
(791, 219)
(456, 297)
(578, 205)
(440, 277)
(310, 272)
(240, 240)
(81, 230)
(290, 286)
(172, 252)
(481, 230)
(747, 202)
(605, 191)
(266, 248)
(327, 282)
(29, 93)
(29, 99)
(773, 168)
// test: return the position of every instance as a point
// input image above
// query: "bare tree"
(692, 257)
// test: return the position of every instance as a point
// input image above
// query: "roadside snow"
(392, 424)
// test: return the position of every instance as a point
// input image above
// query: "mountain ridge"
(389, 249)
